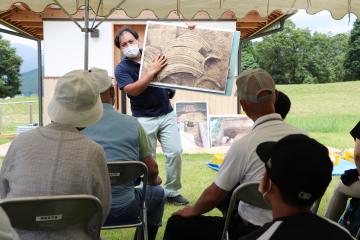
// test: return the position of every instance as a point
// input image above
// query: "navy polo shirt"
(152, 102)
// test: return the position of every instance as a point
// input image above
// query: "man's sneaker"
(177, 200)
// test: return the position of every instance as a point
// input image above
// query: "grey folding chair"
(358, 235)
(51, 213)
(248, 193)
(122, 172)
(316, 205)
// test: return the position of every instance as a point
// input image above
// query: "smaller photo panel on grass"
(225, 129)
(192, 119)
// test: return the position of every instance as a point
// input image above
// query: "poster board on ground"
(192, 119)
(225, 129)
(198, 59)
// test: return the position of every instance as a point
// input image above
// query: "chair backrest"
(122, 172)
(50, 213)
(248, 193)
(316, 205)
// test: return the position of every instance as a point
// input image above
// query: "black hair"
(282, 104)
(121, 31)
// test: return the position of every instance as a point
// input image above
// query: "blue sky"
(320, 22)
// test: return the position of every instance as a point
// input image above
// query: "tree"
(9, 70)
(298, 56)
(283, 54)
(248, 60)
(352, 59)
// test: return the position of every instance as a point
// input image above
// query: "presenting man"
(152, 107)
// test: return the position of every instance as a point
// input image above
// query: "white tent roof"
(189, 8)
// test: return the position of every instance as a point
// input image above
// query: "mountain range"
(28, 68)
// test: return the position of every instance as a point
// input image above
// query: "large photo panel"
(198, 59)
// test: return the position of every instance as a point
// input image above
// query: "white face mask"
(131, 51)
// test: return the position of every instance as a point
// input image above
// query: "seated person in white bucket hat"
(123, 138)
(57, 159)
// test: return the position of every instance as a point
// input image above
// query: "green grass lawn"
(327, 111)
(17, 112)
(5, 140)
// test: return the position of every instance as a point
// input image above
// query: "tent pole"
(40, 72)
(40, 83)
(86, 32)
(107, 16)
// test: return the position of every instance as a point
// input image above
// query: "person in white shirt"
(256, 91)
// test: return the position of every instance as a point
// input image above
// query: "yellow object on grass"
(218, 159)
(337, 154)
(348, 154)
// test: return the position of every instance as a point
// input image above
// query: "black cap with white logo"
(298, 165)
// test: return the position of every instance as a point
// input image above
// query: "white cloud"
(323, 22)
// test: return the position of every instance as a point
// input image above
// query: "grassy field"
(16, 111)
(326, 111)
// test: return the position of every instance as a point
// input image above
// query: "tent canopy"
(189, 8)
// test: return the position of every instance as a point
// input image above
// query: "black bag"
(355, 132)
(350, 176)
(351, 218)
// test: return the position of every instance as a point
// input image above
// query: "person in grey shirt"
(57, 159)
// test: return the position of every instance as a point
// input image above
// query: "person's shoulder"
(334, 229)
(260, 231)
(28, 135)
(239, 147)
(319, 227)
(124, 64)
(90, 144)
(125, 117)
(296, 130)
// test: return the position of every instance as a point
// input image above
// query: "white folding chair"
(51, 213)
(122, 172)
(248, 193)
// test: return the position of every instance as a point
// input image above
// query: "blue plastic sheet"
(337, 170)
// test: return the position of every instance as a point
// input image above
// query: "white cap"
(103, 80)
(250, 84)
(76, 100)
